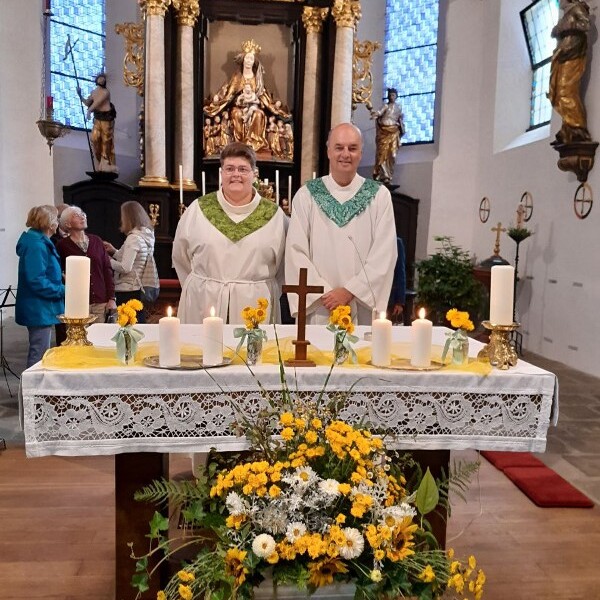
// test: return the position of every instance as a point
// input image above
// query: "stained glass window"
(538, 20)
(83, 23)
(410, 63)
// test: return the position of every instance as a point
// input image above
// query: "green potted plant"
(445, 280)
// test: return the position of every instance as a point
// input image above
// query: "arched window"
(83, 23)
(410, 63)
(538, 20)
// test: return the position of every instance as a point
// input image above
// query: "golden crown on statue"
(250, 46)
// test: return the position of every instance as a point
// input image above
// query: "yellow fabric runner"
(90, 357)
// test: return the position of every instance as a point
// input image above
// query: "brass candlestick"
(76, 330)
(499, 351)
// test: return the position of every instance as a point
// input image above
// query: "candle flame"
(422, 313)
(212, 311)
(169, 312)
(382, 314)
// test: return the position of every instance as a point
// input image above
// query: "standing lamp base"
(499, 352)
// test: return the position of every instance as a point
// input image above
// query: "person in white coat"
(342, 230)
(229, 245)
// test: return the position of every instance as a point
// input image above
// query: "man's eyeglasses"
(230, 170)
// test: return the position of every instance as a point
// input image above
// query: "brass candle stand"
(76, 330)
(499, 352)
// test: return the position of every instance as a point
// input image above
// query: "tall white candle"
(169, 346)
(314, 175)
(277, 185)
(77, 287)
(180, 184)
(289, 190)
(381, 342)
(420, 335)
(220, 177)
(212, 345)
(203, 183)
(502, 291)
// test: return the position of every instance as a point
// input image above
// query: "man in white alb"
(342, 230)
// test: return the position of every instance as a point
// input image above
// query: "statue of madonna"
(247, 101)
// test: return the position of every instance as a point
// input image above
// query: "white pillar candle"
(169, 346)
(203, 183)
(289, 190)
(266, 181)
(502, 290)
(180, 184)
(420, 336)
(381, 342)
(314, 175)
(77, 287)
(220, 177)
(212, 346)
(277, 186)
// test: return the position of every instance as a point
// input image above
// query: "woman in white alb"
(229, 246)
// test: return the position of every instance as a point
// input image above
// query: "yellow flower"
(287, 433)
(185, 592)
(427, 574)
(234, 565)
(135, 304)
(186, 576)
(322, 572)
(262, 303)
(286, 419)
(161, 595)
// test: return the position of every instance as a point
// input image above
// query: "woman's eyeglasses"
(230, 170)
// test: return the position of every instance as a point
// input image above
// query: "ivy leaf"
(194, 513)
(427, 494)
(158, 524)
(140, 581)
(141, 565)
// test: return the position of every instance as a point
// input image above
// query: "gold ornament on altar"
(133, 62)
(362, 78)
(244, 110)
(76, 330)
(499, 352)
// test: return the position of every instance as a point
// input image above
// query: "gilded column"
(154, 94)
(346, 14)
(187, 14)
(312, 18)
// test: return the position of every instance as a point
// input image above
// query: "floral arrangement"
(340, 323)
(457, 340)
(251, 332)
(315, 502)
(127, 337)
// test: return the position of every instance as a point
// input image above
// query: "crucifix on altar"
(498, 229)
(302, 289)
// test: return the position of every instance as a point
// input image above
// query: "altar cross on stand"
(498, 229)
(302, 289)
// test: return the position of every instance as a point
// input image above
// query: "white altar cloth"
(141, 409)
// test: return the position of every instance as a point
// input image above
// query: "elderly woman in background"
(79, 243)
(131, 259)
(40, 293)
(229, 245)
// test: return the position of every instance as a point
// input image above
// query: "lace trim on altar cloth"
(342, 213)
(209, 416)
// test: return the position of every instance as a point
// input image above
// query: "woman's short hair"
(133, 215)
(43, 217)
(64, 220)
(239, 150)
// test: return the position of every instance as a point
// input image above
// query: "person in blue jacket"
(40, 292)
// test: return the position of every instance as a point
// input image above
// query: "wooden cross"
(302, 289)
(498, 229)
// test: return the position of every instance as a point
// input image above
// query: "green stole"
(342, 214)
(214, 213)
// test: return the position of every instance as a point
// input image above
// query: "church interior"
(481, 169)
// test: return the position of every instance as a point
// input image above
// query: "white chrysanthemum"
(305, 476)
(354, 544)
(330, 487)
(235, 504)
(263, 545)
(294, 531)
(376, 575)
(398, 512)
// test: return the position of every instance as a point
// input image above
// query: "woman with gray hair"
(79, 243)
(40, 292)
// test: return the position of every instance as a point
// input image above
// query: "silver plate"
(188, 363)
(403, 364)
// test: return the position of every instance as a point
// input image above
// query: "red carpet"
(537, 481)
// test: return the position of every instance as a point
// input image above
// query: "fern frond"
(178, 492)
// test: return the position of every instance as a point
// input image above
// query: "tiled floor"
(573, 448)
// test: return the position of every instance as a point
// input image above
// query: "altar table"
(139, 413)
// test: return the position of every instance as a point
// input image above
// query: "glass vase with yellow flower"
(127, 337)
(251, 333)
(457, 340)
(340, 323)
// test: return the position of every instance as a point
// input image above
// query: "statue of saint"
(103, 131)
(248, 103)
(389, 129)
(567, 68)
